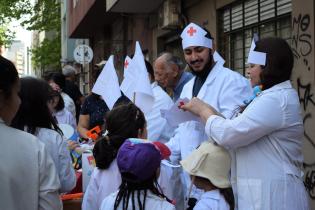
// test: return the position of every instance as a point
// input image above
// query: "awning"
(135, 6)
(90, 21)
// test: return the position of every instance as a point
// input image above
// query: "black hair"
(61, 103)
(34, 112)
(122, 122)
(149, 69)
(279, 61)
(133, 189)
(227, 193)
(58, 78)
(8, 76)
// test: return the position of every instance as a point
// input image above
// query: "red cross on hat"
(191, 31)
(126, 64)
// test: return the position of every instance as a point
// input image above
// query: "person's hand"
(200, 108)
(72, 145)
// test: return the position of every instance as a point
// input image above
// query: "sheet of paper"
(176, 116)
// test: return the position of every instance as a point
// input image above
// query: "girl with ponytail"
(139, 164)
(122, 122)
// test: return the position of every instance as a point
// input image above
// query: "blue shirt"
(185, 77)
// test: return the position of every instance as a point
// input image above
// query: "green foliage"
(14, 9)
(47, 54)
(6, 36)
(43, 16)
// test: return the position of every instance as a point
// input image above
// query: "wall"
(303, 79)
(204, 14)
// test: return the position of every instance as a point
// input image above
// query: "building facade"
(113, 26)
(16, 54)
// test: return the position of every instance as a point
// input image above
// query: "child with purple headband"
(139, 164)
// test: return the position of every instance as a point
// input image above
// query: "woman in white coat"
(266, 138)
(35, 117)
(28, 176)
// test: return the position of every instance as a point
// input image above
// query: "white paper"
(176, 116)
(255, 57)
(144, 94)
(218, 58)
(129, 82)
(107, 84)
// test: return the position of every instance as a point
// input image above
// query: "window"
(240, 20)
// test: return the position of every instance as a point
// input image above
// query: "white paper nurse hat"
(256, 57)
(194, 35)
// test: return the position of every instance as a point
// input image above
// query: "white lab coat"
(102, 184)
(58, 150)
(69, 103)
(29, 179)
(65, 117)
(212, 200)
(266, 140)
(152, 202)
(157, 126)
(223, 89)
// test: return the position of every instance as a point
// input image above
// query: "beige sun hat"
(209, 161)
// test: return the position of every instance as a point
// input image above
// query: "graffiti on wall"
(302, 50)
(301, 39)
(306, 100)
(309, 180)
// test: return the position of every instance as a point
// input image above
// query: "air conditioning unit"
(169, 14)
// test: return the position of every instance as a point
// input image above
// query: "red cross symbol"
(126, 64)
(191, 31)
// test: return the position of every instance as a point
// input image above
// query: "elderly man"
(169, 74)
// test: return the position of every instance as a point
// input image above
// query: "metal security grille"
(238, 22)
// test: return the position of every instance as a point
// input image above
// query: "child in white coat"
(209, 168)
(139, 164)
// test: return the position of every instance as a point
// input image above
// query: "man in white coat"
(214, 84)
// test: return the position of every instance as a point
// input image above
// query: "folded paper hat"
(209, 161)
(256, 57)
(194, 35)
(140, 158)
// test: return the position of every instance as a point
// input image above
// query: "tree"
(44, 16)
(6, 35)
(10, 10)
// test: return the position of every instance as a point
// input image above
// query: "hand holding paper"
(200, 108)
(175, 115)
